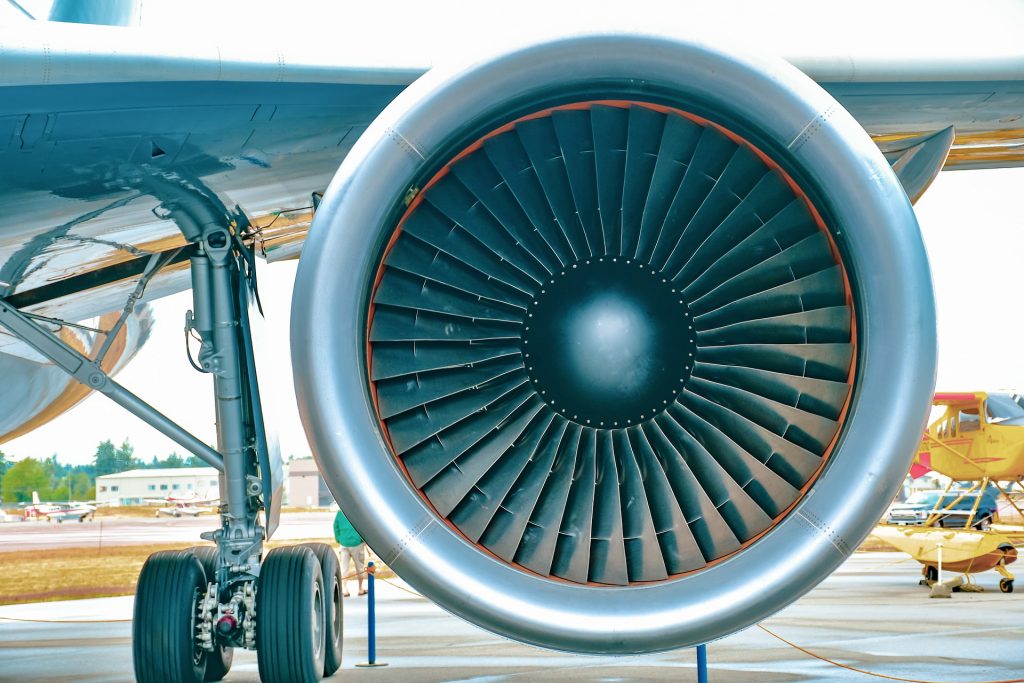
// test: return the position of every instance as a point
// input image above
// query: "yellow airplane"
(977, 438)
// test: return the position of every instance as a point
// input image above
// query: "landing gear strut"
(192, 607)
(1005, 583)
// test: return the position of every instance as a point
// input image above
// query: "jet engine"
(616, 343)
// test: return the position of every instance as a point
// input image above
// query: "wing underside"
(103, 154)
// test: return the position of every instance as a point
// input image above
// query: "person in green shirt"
(352, 549)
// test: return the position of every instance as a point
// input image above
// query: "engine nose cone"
(608, 342)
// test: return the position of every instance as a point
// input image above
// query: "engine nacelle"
(616, 343)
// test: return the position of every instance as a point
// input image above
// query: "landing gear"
(164, 645)
(331, 570)
(218, 662)
(1005, 583)
(290, 617)
(193, 607)
(931, 575)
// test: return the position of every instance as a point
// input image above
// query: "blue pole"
(371, 613)
(702, 664)
(371, 618)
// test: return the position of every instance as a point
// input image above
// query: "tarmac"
(109, 531)
(870, 614)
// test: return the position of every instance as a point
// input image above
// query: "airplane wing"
(958, 398)
(110, 136)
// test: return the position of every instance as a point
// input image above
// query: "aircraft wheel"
(290, 617)
(931, 573)
(218, 662)
(164, 648)
(1006, 585)
(983, 523)
(331, 570)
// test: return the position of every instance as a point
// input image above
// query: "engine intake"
(614, 344)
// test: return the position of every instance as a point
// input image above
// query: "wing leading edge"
(106, 133)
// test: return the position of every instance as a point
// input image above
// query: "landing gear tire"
(164, 647)
(218, 662)
(290, 617)
(1006, 585)
(931, 573)
(331, 570)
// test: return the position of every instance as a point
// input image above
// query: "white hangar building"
(134, 486)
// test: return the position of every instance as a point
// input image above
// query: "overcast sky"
(973, 225)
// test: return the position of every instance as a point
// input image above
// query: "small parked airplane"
(977, 438)
(179, 509)
(176, 506)
(58, 512)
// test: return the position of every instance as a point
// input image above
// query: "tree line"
(56, 481)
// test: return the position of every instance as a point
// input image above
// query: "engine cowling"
(616, 343)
